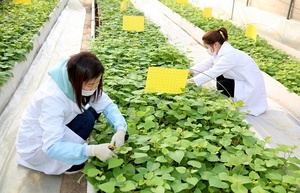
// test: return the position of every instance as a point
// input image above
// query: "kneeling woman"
(236, 73)
(61, 116)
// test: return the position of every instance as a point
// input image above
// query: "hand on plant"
(190, 81)
(118, 138)
(102, 151)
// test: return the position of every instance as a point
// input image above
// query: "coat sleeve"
(114, 117)
(203, 66)
(111, 112)
(68, 152)
(223, 64)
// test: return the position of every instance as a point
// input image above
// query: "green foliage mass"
(20, 23)
(190, 142)
(281, 66)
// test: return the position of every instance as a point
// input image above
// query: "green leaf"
(176, 156)
(238, 188)
(158, 189)
(195, 164)
(166, 169)
(215, 181)
(149, 175)
(279, 189)
(181, 169)
(161, 159)
(148, 124)
(91, 172)
(128, 186)
(295, 160)
(120, 178)
(114, 162)
(108, 187)
(192, 180)
(254, 175)
(290, 179)
(139, 155)
(177, 186)
(206, 175)
(151, 166)
(167, 177)
(187, 134)
(274, 176)
(138, 177)
(157, 181)
(258, 189)
(144, 148)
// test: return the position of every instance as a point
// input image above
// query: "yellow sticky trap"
(207, 12)
(182, 1)
(123, 6)
(251, 31)
(133, 23)
(22, 1)
(166, 80)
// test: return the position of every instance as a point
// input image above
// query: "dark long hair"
(220, 35)
(83, 67)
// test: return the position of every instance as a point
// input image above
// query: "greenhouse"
(177, 137)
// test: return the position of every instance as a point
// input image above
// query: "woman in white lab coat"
(61, 115)
(236, 73)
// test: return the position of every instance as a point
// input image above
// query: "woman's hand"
(118, 138)
(102, 152)
(189, 81)
(190, 71)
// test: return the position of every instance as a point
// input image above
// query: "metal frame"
(290, 12)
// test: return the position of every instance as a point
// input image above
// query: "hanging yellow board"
(166, 80)
(133, 23)
(182, 1)
(22, 1)
(207, 12)
(251, 31)
(123, 6)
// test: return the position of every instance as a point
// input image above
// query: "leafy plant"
(19, 25)
(276, 63)
(191, 142)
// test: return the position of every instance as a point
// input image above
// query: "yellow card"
(207, 12)
(182, 1)
(133, 23)
(251, 31)
(22, 1)
(166, 80)
(123, 6)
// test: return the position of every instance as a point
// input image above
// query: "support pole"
(247, 4)
(233, 9)
(289, 16)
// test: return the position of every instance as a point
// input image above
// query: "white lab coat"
(235, 64)
(44, 123)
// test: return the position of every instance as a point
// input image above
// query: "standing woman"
(61, 115)
(237, 74)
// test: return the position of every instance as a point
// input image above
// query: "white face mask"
(210, 52)
(87, 92)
